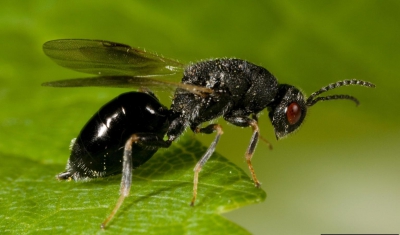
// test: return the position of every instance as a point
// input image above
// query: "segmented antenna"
(314, 99)
(333, 97)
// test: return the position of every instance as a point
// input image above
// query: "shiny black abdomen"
(98, 150)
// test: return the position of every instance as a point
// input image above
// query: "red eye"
(293, 113)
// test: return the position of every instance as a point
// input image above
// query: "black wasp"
(133, 126)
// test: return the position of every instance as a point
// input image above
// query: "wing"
(118, 65)
(128, 82)
(108, 58)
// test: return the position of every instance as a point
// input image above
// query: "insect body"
(235, 89)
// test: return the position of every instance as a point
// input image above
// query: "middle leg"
(206, 130)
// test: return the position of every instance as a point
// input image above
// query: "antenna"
(314, 99)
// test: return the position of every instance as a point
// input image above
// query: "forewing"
(108, 58)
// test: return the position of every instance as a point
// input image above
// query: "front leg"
(246, 122)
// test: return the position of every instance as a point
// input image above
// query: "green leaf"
(32, 200)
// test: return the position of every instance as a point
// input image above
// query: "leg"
(207, 130)
(250, 151)
(146, 139)
(260, 136)
(245, 122)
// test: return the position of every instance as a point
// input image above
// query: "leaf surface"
(32, 200)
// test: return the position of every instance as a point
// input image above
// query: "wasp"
(133, 126)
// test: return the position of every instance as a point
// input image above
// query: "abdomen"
(98, 149)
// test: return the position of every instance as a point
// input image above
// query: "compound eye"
(293, 113)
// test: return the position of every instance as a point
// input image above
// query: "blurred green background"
(339, 174)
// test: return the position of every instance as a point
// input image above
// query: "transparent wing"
(128, 82)
(108, 58)
(117, 65)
